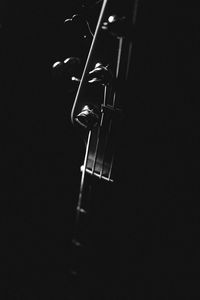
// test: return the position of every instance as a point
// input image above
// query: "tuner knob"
(117, 26)
(79, 26)
(67, 71)
(68, 67)
(100, 75)
(88, 117)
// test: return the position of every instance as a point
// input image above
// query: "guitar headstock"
(97, 78)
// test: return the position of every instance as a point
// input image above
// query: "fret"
(98, 174)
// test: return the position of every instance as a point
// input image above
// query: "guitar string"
(119, 54)
(83, 169)
(99, 132)
(103, 128)
(100, 128)
(75, 239)
(118, 65)
(110, 122)
(103, 116)
(135, 9)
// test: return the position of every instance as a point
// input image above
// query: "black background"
(41, 153)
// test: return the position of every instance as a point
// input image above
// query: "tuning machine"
(78, 26)
(117, 26)
(68, 71)
(88, 117)
(100, 75)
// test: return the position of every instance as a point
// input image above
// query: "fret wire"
(98, 175)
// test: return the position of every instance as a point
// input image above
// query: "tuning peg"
(117, 26)
(88, 117)
(100, 75)
(70, 66)
(78, 26)
(67, 70)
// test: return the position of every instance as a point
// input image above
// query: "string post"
(117, 26)
(89, 116)
(100, 75)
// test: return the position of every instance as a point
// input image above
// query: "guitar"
(99, 109)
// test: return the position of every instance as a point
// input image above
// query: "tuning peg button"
(70, 66)
(78, 26)
(100, 74)
(117, 26)
(67, 71)
(88, 117)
